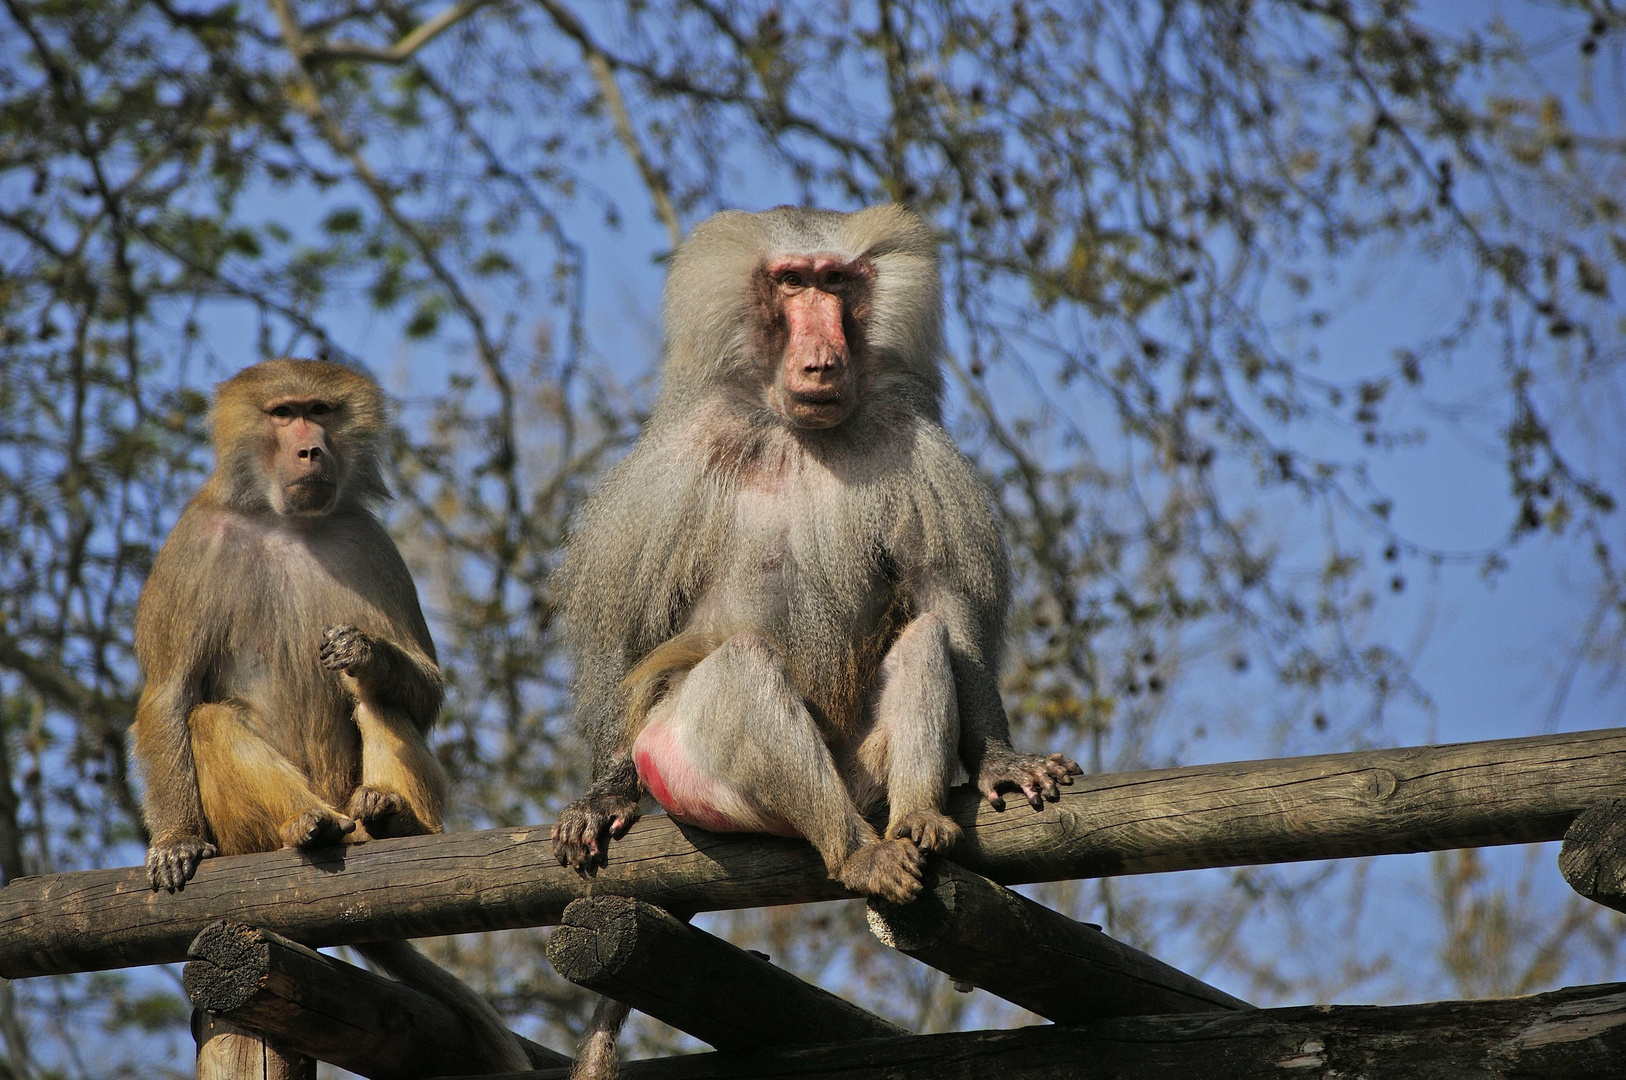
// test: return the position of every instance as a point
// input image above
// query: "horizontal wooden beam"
(324, 1008)
(696, 982)
(1577, 1032)
(984, 934)
(1334, 805)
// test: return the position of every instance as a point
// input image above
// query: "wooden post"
(698, 983)
(1334, 805)
(228, 1052)
(1579, 1032)
(262, 984)
(984, 934)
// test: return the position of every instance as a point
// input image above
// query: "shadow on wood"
(981, 933)
(1576, 1032)
(332, 1011)
(717, 992)
(1334, 805)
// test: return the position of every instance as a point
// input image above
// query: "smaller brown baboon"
(290, 677)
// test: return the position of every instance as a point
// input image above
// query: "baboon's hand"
(1034, 775)
(346, 649)
(579, 839)
(170, 866)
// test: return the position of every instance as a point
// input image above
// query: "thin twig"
(599, 62)
(403, 50)
(306, 96)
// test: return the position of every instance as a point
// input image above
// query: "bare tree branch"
(317, 52)
(61, 689)
(307, 98)
(599, 61)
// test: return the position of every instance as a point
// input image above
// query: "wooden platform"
(250, 923)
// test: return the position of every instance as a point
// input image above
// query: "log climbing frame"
(269, 1004)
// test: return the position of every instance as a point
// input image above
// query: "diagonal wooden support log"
(1593, 858)
(1330, 806)
(984, 934)
(324, 1008)
(1576, 1032)
(717, 992)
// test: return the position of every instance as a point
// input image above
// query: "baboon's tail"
(651, 676)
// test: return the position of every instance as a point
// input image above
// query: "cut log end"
(597, 937)
(230, 964)
(1593, 858)
(306, 1005)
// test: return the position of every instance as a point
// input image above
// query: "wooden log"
(984, 934)
(1578, 1032)
(1593, 858)
(326, 1009)
(717, 992)
(1334, 805)
(228, 1052)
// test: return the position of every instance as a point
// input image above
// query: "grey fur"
(725, 518)
(817, 614)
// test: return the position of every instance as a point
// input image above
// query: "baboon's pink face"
(813, 313)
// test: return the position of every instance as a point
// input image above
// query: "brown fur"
(290, 677)
(246, 739)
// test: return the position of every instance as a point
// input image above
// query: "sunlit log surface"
(698, 983)
(1577, 1032)
(320, 1007)
(1334, 805)
(986, 935)
(228, 1052)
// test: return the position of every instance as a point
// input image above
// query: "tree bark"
(326, 1009)
(698, 983)
(984, 934)
(1335, 805)
(1578, 1032)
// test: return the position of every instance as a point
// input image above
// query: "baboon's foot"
(889, 869)
(386, 813)
(930, 830)
(316, 827)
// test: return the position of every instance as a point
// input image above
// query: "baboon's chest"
(281, 599)
(810, 573)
